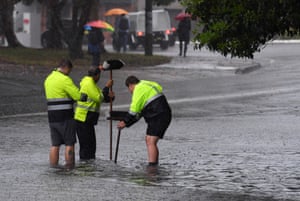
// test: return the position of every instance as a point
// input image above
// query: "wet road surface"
(233, 137)
(221, 157)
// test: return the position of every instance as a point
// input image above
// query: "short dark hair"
(131, 80)
(65, 63)
(93, 70)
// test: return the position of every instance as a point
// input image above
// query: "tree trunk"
(75, 38)
(55, 29)
(72, 31)
(6, 12)
(75, 48)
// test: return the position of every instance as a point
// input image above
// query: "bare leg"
(70, 156)
(54, 156)
(153, 152)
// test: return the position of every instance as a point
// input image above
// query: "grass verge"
(50, 57)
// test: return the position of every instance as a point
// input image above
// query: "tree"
(240, 28)
(72, 35)
(80, 15)
(7, 23)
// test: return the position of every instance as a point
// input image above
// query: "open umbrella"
(99, 24)
(115, 11)
(182, 15)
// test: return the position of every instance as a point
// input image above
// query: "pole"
(148, 28)
(110, 122)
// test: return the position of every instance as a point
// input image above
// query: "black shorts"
(157, 126)
(63, 133)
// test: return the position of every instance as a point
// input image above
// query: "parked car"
(161, 30)
(51, 38)
(172, 37)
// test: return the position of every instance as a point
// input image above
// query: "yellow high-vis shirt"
(144, 92)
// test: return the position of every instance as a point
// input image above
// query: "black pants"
(123, 39)
(181, 44)
(87, 140)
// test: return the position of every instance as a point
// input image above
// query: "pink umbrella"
(182, 15)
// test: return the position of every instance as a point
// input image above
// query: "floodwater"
(232, 137)
(213, 158)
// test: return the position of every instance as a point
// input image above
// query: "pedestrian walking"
(95, 45)
(183, 30)
(149, 102)
(61, 93)
(87, 112)
(123, 29)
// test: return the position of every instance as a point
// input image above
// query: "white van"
(161, 28)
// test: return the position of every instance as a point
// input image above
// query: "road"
(233, 137)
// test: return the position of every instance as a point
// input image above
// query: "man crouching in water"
(149, 102)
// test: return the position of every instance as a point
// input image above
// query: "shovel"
(113, 64)
(119, 116)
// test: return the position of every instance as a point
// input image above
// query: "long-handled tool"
(117, 146)
(119, 116)
(111, 65)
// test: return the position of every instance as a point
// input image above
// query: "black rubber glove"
(83, 97)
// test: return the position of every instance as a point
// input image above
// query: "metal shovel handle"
(117, 146)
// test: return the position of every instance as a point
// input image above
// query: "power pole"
(148, 28)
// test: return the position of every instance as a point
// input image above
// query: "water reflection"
(211, 179)
(207, 161)
(142, 175)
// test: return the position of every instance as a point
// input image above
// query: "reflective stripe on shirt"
(153, 98)
(60, 107)
(92, 109)
(59, 104)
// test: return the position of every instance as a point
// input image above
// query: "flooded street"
(199, 157)
(233, 137)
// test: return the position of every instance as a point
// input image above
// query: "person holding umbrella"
(148, 101)
(183, 30)
(96, 38)
(123, 29)
(95, 44)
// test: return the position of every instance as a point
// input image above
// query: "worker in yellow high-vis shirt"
(61, 92)
(149, 102)
(87, 113)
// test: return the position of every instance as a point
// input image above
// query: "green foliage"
(241, 27)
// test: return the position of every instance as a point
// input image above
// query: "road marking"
(265, 92)
(236, 95)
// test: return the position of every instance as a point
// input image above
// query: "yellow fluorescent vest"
(144, 92)
(59, 85)
(95, 98)
(60, 92)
